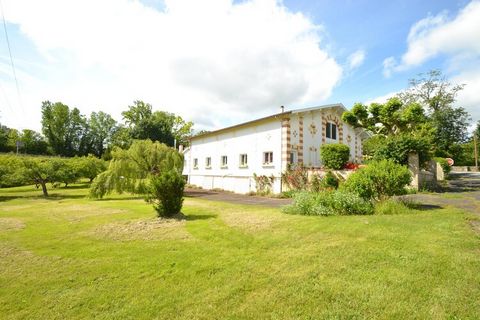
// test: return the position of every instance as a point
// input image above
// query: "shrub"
(330, 181)
(166, 193)
(444, 164)
(334, 156)
(397, 148)
(379, 180)
(334, 202)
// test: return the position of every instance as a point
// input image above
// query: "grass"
(68, 257)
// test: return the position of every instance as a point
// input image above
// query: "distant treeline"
(66, 132)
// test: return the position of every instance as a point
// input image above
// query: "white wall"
(252, 140)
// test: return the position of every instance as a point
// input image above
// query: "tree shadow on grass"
(425, 207)
(193, 217)
(52, 197)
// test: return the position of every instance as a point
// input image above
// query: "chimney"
(283, 109)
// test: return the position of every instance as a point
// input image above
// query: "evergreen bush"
(166, 193)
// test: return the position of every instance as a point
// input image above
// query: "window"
(243, 160)
(268, 158)
(224, 161)
(208, 162)
(293, 157)
(195, 163)
(331, 131)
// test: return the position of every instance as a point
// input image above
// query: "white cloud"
(458, 38)
(356, 59)
(381, 99)
(213, 61)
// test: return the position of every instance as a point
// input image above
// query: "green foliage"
(11, 171)
(329, 181)
(444, 164)
(397, 148)
(159, 126)
(263, 184)
(101, 128)
(165, 192)
(334, 156)
(394, 206)
(64, 129)
(130, 170)
(90, 166)
(391, 118)
(334, 202)
(295, 177)
(316, 183)
(379, 180)
(43, 170)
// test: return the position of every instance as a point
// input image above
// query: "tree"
(437, 95)
(130, 170)
(101, 129)
(64, 129)
(397, 128)
(160, 126)
(33, 142)
(42, 170)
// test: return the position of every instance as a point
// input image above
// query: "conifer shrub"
(166, 193)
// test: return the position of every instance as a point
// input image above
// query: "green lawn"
(69, 257)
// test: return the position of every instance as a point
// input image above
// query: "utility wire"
(11, 57)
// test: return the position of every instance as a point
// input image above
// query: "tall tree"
(64, 128)
(161, 126)
(101, 129)
(438, 96)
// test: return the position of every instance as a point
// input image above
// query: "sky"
(222, 62)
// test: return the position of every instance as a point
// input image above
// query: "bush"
(397, 149)
(334, 202)
(444, 164)
(166, 193)
(334, 156)
(330, 181)
(379, 180)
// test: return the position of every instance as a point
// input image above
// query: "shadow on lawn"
(193, 217)
(52, 196)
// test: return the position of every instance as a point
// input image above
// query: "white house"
(227, 158)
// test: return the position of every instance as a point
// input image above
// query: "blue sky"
(219, 62)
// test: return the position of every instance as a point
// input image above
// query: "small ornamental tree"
(149, 168)
(334, 156)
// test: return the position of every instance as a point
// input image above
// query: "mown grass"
(69, 257)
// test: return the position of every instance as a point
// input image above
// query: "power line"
(11, 57)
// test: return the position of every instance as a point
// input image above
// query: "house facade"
(228, 158)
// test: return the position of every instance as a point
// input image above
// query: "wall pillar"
(285, 143)
(414, 167)
(300, 140)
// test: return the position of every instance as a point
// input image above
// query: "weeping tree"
(149, 168)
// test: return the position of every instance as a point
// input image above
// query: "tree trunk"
(44, 189)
